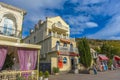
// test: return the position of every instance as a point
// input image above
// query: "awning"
(73, 54)
(67, 53)
(116, 57)
(24, 45)
(103, 57)
(65, 40)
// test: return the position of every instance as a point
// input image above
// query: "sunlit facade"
(57, 47)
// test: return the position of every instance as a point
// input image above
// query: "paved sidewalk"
(108, 75)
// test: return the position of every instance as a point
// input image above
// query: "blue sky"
(97, 19)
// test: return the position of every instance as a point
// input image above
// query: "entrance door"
(72, 64)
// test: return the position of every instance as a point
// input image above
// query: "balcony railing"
(9, 32)
(60, 36)
(65, 49)
(59, 25)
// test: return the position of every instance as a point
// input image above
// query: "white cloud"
(111, 29)
(91, 24)
(115, 38)
(80, 23)
(36, 9)
(85, 2)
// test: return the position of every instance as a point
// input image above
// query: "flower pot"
(56, 73)
(76, 71)
(45, 78)
(41, 78)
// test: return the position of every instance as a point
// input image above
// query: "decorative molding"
(0, 18)
(0, 7)
(12, 8)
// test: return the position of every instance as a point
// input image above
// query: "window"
(29, 41)
(71, 45)
(34, 38)
(59, 24)
(64, 60)
(57, 43)
(8, 26)
(65, 45)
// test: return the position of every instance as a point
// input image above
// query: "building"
(11, 19)
(57, 47)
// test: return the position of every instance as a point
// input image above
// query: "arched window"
(64, 60)
(65, 45)
(8, 26)
(71, 45)
(57, 43)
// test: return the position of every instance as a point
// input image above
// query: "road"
(108, 75)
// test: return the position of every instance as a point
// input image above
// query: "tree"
(84, 51)
(109, 50)
(8, 61)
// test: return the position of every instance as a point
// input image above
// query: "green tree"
(84, 51)
(8, 61)
(109, 50)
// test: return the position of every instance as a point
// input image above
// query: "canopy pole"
(38, 64)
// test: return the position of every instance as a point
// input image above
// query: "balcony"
(65, 49)
(9, 32)
(60, 27)
(59, 36)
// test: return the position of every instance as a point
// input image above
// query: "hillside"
(97, 43)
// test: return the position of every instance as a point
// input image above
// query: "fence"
(19, 75)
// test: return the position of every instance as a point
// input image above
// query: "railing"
(10, 32)
(60, 36)
(64, 49)
(60, 26)
(19, 75)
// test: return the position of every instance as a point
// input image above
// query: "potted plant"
(55, 70)
(46, 75)
(20, 77)
(40, 75)
(76, 71)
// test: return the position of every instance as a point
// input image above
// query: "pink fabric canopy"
(103, 57)
(116, 57)
(3, 53)
(27, 58)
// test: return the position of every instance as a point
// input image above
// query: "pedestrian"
(94, 69)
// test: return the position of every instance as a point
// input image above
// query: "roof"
(103, 57)
(116, 57)
(58, 18)
(24, 45)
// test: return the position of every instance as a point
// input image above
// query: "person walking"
(94, 69)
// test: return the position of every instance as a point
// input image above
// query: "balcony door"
(8, 26)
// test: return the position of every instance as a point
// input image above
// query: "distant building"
(57, 47)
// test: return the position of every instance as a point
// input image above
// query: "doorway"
(72, 64)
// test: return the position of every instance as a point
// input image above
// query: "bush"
(40, 73)
(20, 78)
(55, 69)
(109, 63)
(46, 74)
